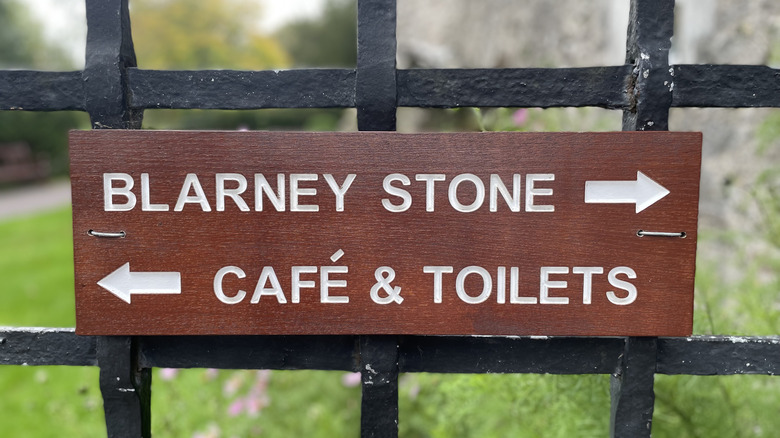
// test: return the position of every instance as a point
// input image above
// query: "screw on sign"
(385, 233)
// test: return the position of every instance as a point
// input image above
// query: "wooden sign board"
(384, 233)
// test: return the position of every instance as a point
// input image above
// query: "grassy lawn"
(36, 267)
(36, 264)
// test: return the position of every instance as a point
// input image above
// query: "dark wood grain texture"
(198, 243)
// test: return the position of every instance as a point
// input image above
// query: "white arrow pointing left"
(124, 283)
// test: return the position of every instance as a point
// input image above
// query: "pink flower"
(233, 383)
(236, 407)
(168, 373)
(351, 379)
(254, 403)
(520, 117)
(261, 381)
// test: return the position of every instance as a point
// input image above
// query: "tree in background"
(21, 40)
(327, 41)
(179, 34)
(22, 46)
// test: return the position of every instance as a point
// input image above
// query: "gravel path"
(33, 199)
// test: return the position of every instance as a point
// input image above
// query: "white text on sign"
(552, 282)
(119, 194)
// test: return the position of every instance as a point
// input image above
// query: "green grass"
(503, 405)
(51, 402)
(254, 403)
(36, 267)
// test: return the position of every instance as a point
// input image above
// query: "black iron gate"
(115, 93)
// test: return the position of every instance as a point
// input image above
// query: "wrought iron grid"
(115, 92)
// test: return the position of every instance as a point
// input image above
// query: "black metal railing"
(115, 93)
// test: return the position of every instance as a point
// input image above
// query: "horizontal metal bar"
(41, 90)
(442, 354)
(719, 355)
(232, 89)
(478, 354)
(250, 352)
(726, 86)
(696, 355)
(46, 346)
(527, 87)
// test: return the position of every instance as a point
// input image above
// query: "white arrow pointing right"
(643, 192)
(124, 283)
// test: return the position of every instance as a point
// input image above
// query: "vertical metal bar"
(650, 29)
(631, 389)
(375, 83)
(379, 370)
(376, 102)
(126, 389)
(109, 54)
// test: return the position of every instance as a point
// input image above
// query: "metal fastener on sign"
(113, 235)
(643, 233)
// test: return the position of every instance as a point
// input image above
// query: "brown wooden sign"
(384, 233)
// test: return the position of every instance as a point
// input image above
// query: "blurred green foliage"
(496, 405)
(22, 46)
(327, 41)
(21, 40)
(229, 403)
(224, 34)
(36, 268)
(45, 133)
(180, 35)
(51, 402)
(268, 119)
